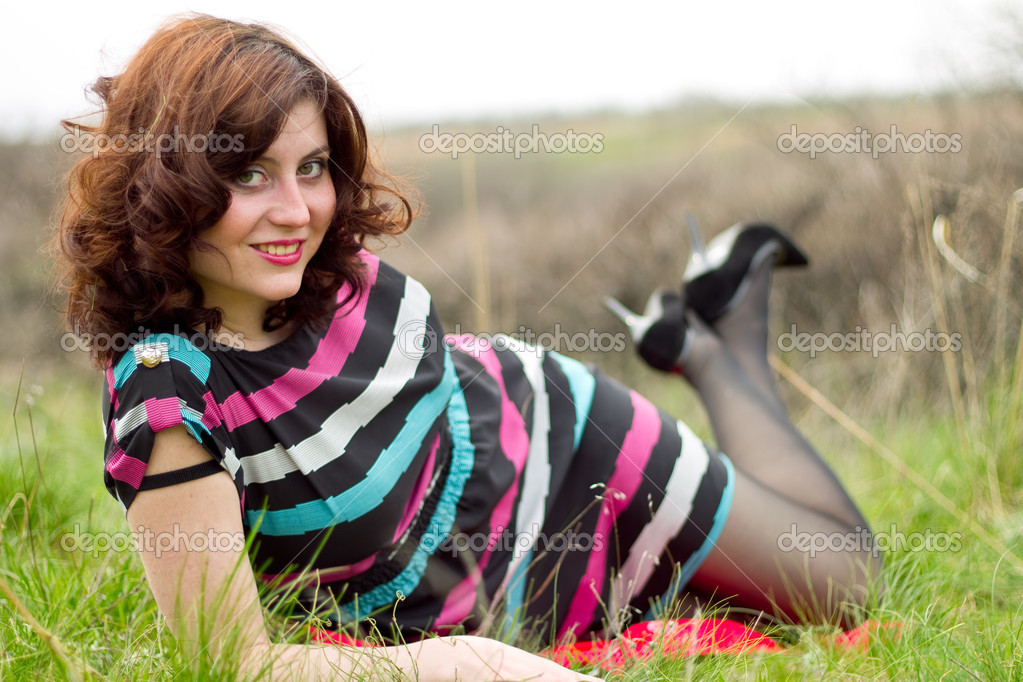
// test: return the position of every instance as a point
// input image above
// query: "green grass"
(959, 612)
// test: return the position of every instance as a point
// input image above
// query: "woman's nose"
(290, 208)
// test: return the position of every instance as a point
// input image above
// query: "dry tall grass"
(566, 230)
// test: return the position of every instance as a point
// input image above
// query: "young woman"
(293, 388)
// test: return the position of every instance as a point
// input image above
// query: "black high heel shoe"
(715, 280)
(661, 333)
(718, 277)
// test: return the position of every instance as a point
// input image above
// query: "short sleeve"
(161, 382)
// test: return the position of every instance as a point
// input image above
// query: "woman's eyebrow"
(322, 149)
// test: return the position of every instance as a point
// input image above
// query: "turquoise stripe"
(193, 423)
(178, 348)
(381, 478)
(582, 384)
(463, 456)
(684, 573)
(124, 369)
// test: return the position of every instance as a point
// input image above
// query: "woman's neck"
(243, 329)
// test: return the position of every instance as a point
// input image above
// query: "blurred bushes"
(614, 224)
(562, 231)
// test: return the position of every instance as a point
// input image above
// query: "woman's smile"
(286, 252)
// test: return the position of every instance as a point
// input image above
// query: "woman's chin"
(283, 290)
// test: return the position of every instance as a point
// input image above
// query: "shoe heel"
(621, 311)
(718, 279)
(660, 333)
(697, 250)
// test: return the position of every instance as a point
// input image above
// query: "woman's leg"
(782, 485)
(744, 333)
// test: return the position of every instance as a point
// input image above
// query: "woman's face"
(281, 206)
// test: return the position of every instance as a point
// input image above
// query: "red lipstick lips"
(284, 252)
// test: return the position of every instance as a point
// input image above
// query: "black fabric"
(167, 478)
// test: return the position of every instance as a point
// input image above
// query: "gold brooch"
(151, 356)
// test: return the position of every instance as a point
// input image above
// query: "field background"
(535, 244)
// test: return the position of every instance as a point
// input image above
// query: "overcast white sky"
(425, 62)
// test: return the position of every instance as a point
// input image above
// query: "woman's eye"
(249, 178)
(312, 168)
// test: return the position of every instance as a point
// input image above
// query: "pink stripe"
(212, 417)
(415, 500)
(126, 469)
(625, 481)
(163, 413)
(109, 373)
(514, 439)
(283, 394)
(327, 575)
(110, 388)
(461, 599)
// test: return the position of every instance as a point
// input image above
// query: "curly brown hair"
(199, 102)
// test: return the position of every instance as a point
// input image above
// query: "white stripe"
(536, 478)
(231, 463)
(137, 416)
(339, 428)
(131, 420)
(671, 515)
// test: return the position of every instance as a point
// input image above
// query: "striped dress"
(450, 482)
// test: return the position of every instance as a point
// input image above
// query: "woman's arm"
(209, 598)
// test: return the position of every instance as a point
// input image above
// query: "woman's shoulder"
(163, 350)
(160, 382)
(163, 379)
